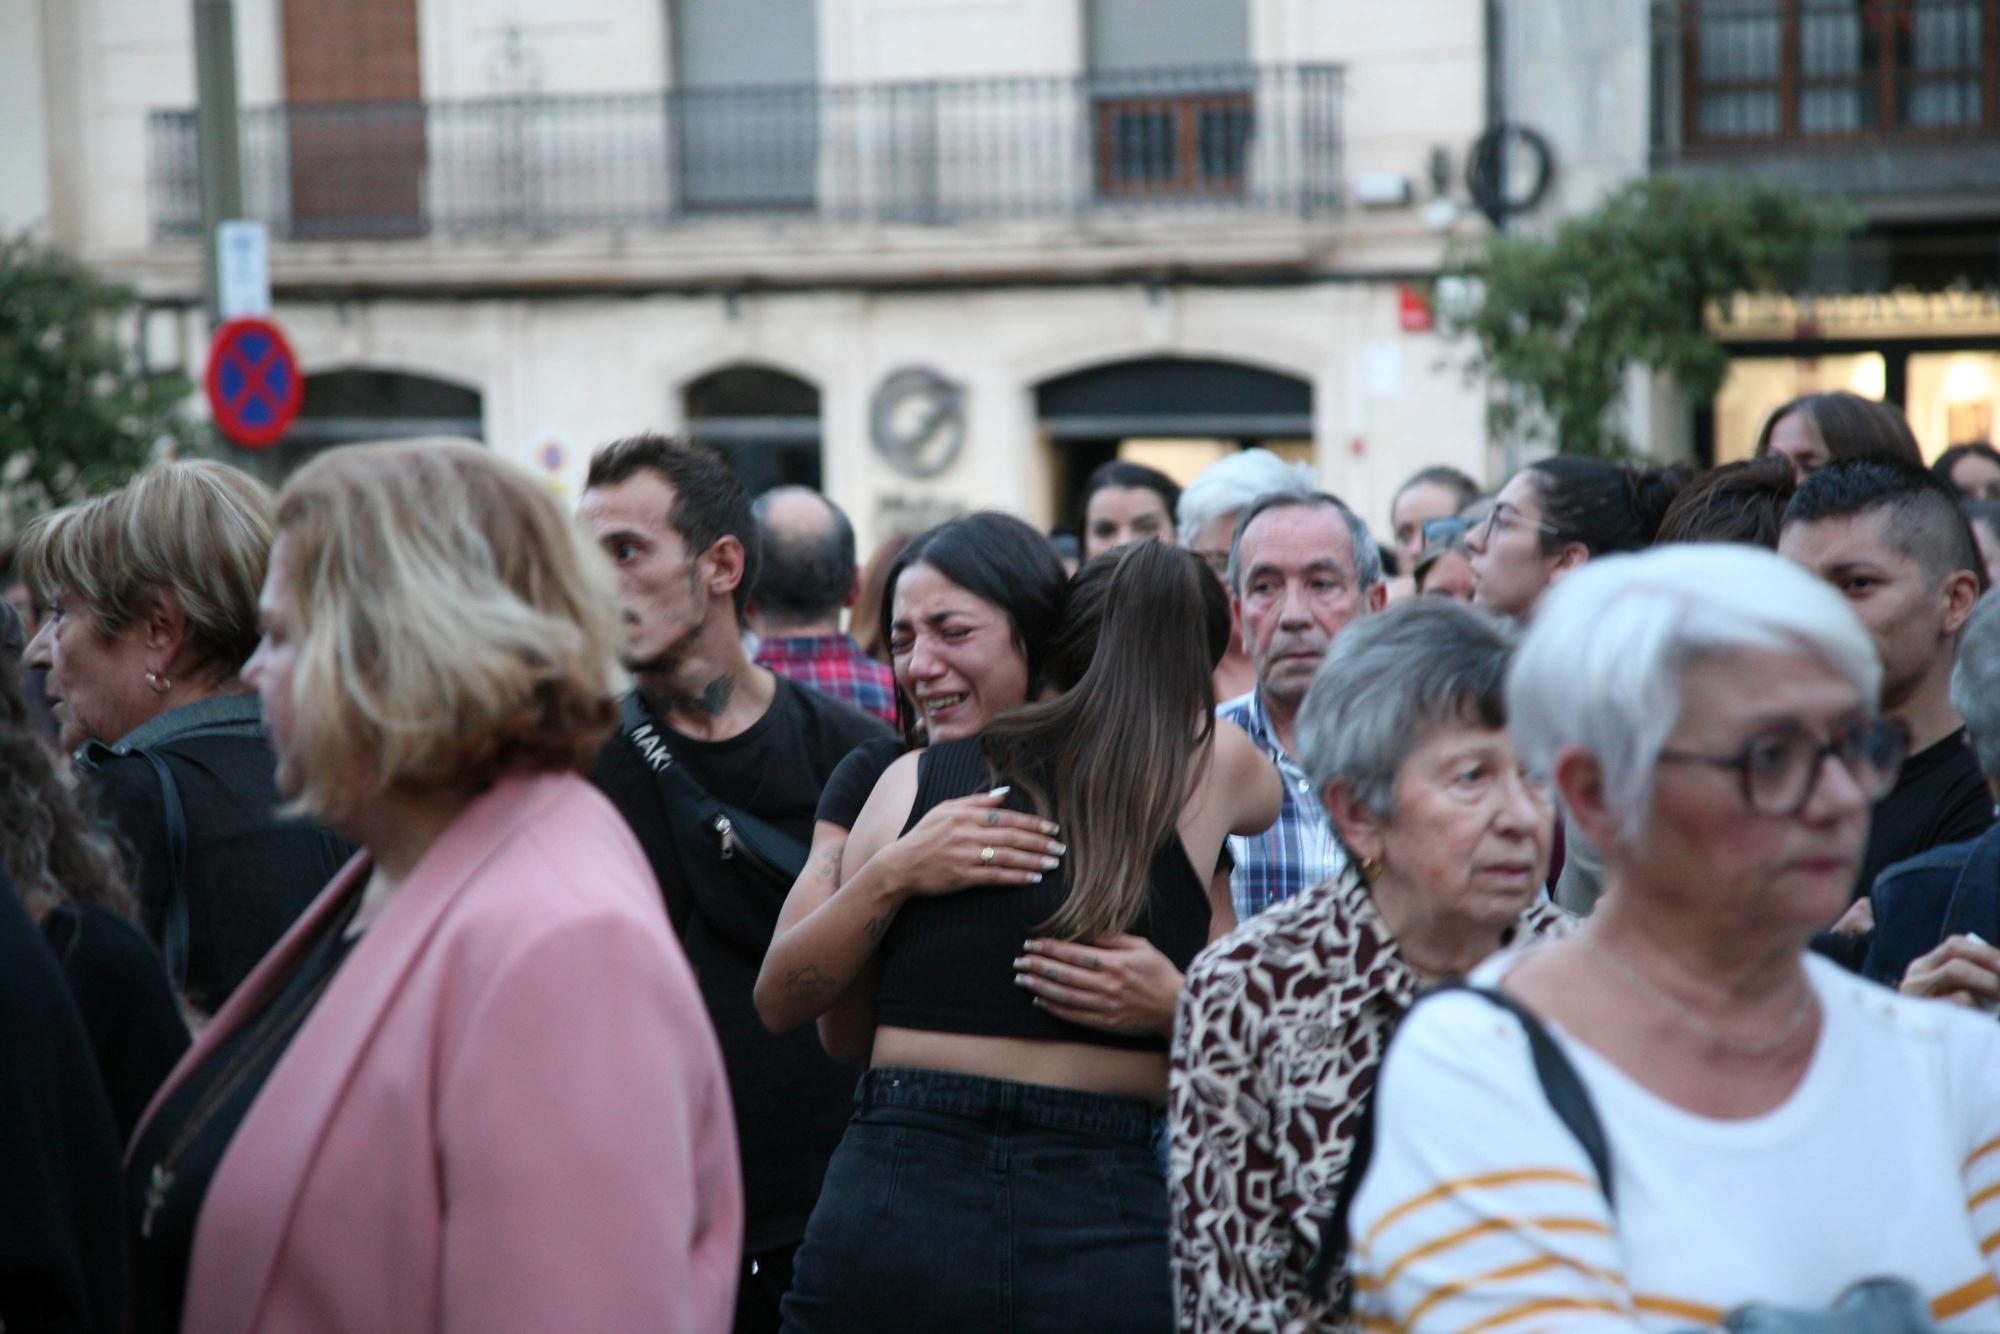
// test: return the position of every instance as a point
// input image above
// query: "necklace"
(1618, 968)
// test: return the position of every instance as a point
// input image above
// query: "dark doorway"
(764, 421)
(347, 407)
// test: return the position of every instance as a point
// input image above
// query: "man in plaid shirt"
(1301, 568)
(808, 577)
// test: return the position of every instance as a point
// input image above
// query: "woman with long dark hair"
(65, 869)
(1000, 1163)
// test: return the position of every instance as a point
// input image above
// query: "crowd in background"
(427, 908)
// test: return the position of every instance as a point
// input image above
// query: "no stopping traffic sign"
(253, 382)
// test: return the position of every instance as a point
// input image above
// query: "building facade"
(943, 254)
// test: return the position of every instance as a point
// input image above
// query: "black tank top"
(948, 961)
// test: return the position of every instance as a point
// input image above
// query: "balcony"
(1228, 141)
(1863, 98)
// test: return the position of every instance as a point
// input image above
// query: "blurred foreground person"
(66, 870)
(1209, 508)
(60, 1225)
(1818, 429)
(152, 607)
(999, 1171)
(1284, 1022)
(473, 1088)
(1716, 1116)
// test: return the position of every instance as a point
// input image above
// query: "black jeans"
(968, 1204)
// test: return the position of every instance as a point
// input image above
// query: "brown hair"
(1148, 693)
(1850, 426)
(1738, 502)
(450, 621)
(865, 620)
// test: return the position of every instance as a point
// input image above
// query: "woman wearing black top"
(152, 608)
(999, 1170)
(66, 872)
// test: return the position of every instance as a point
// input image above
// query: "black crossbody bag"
(736, 868)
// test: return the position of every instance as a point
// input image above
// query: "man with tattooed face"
(677, 527)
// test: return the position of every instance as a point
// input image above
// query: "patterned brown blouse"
(1282, 1025)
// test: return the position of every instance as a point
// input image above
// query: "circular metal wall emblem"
(916, 418)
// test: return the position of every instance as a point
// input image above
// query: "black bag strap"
(174, 928)
(1561, 1085)
(745, 909)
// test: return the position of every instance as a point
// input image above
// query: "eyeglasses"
(1505, 515)
(1445, 531)
(1779, 769)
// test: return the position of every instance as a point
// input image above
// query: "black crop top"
(947, 964)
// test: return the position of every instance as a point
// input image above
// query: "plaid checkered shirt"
(1297, 852)
(834, 665)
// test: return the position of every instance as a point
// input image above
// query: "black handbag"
(737, 869)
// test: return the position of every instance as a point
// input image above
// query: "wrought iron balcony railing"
(1760, 73)
(1242, 138)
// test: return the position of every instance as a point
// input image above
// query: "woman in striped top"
(1777, 1130)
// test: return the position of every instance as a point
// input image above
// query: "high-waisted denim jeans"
(979, 1206)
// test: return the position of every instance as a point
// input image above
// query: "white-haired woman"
(1773, 1129)
(1206, 519)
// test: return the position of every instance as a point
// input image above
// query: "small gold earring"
(160, 684)
(1370, 868)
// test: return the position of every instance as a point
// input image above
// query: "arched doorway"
(344, 407)
(1177, 414)
(763, 420)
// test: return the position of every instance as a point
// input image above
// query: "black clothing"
(1949, 891)
(186, 1139)
(947, 964)
(791, 1099)
(61, 1226)
(847, 791)
(121, 993)
(249, 873)
(1939, 798)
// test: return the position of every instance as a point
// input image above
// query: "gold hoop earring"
(160, 685)
(1370, 868)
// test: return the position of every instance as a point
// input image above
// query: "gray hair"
(1603, 663)
(1230, 484)
(1367, 556)
(1392, 679)
(1975, 681)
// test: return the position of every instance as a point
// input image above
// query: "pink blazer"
(507, 1111)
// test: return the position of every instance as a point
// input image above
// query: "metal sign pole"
(218, 157)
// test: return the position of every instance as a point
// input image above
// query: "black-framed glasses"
(1779, 769)
(1503, 515)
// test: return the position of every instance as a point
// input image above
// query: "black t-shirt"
(847, 791)
(792, 1101)
(1939, 798)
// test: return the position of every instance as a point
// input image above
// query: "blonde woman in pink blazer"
(474, 1088)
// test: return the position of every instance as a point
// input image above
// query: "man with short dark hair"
(712, 741)
(1302, 566)
(808, 579)
(1890, 538)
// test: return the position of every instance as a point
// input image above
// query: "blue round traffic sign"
(254, 386)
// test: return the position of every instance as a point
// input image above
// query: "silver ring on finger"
(992, 818)
(985, 856)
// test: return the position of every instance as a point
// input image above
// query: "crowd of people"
(426, 908)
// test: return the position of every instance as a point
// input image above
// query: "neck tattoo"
(712, 700)
(1638, 981)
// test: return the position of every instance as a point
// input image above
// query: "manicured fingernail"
(1028, 945)
(1034, 877)
(1050, 863)
(1019, 964)
(1973, 936)
(1000, 791)
(1058, 849)
(1020, 979)
(1048, 827)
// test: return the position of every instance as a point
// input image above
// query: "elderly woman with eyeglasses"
(1768, 1128)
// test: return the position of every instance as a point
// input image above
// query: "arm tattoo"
(808, 983)
(876, 927)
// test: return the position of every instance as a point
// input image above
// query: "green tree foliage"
(76, 415)
(1558, 319)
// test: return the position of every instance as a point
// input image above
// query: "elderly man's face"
(1297, 589)
(1703, 846)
